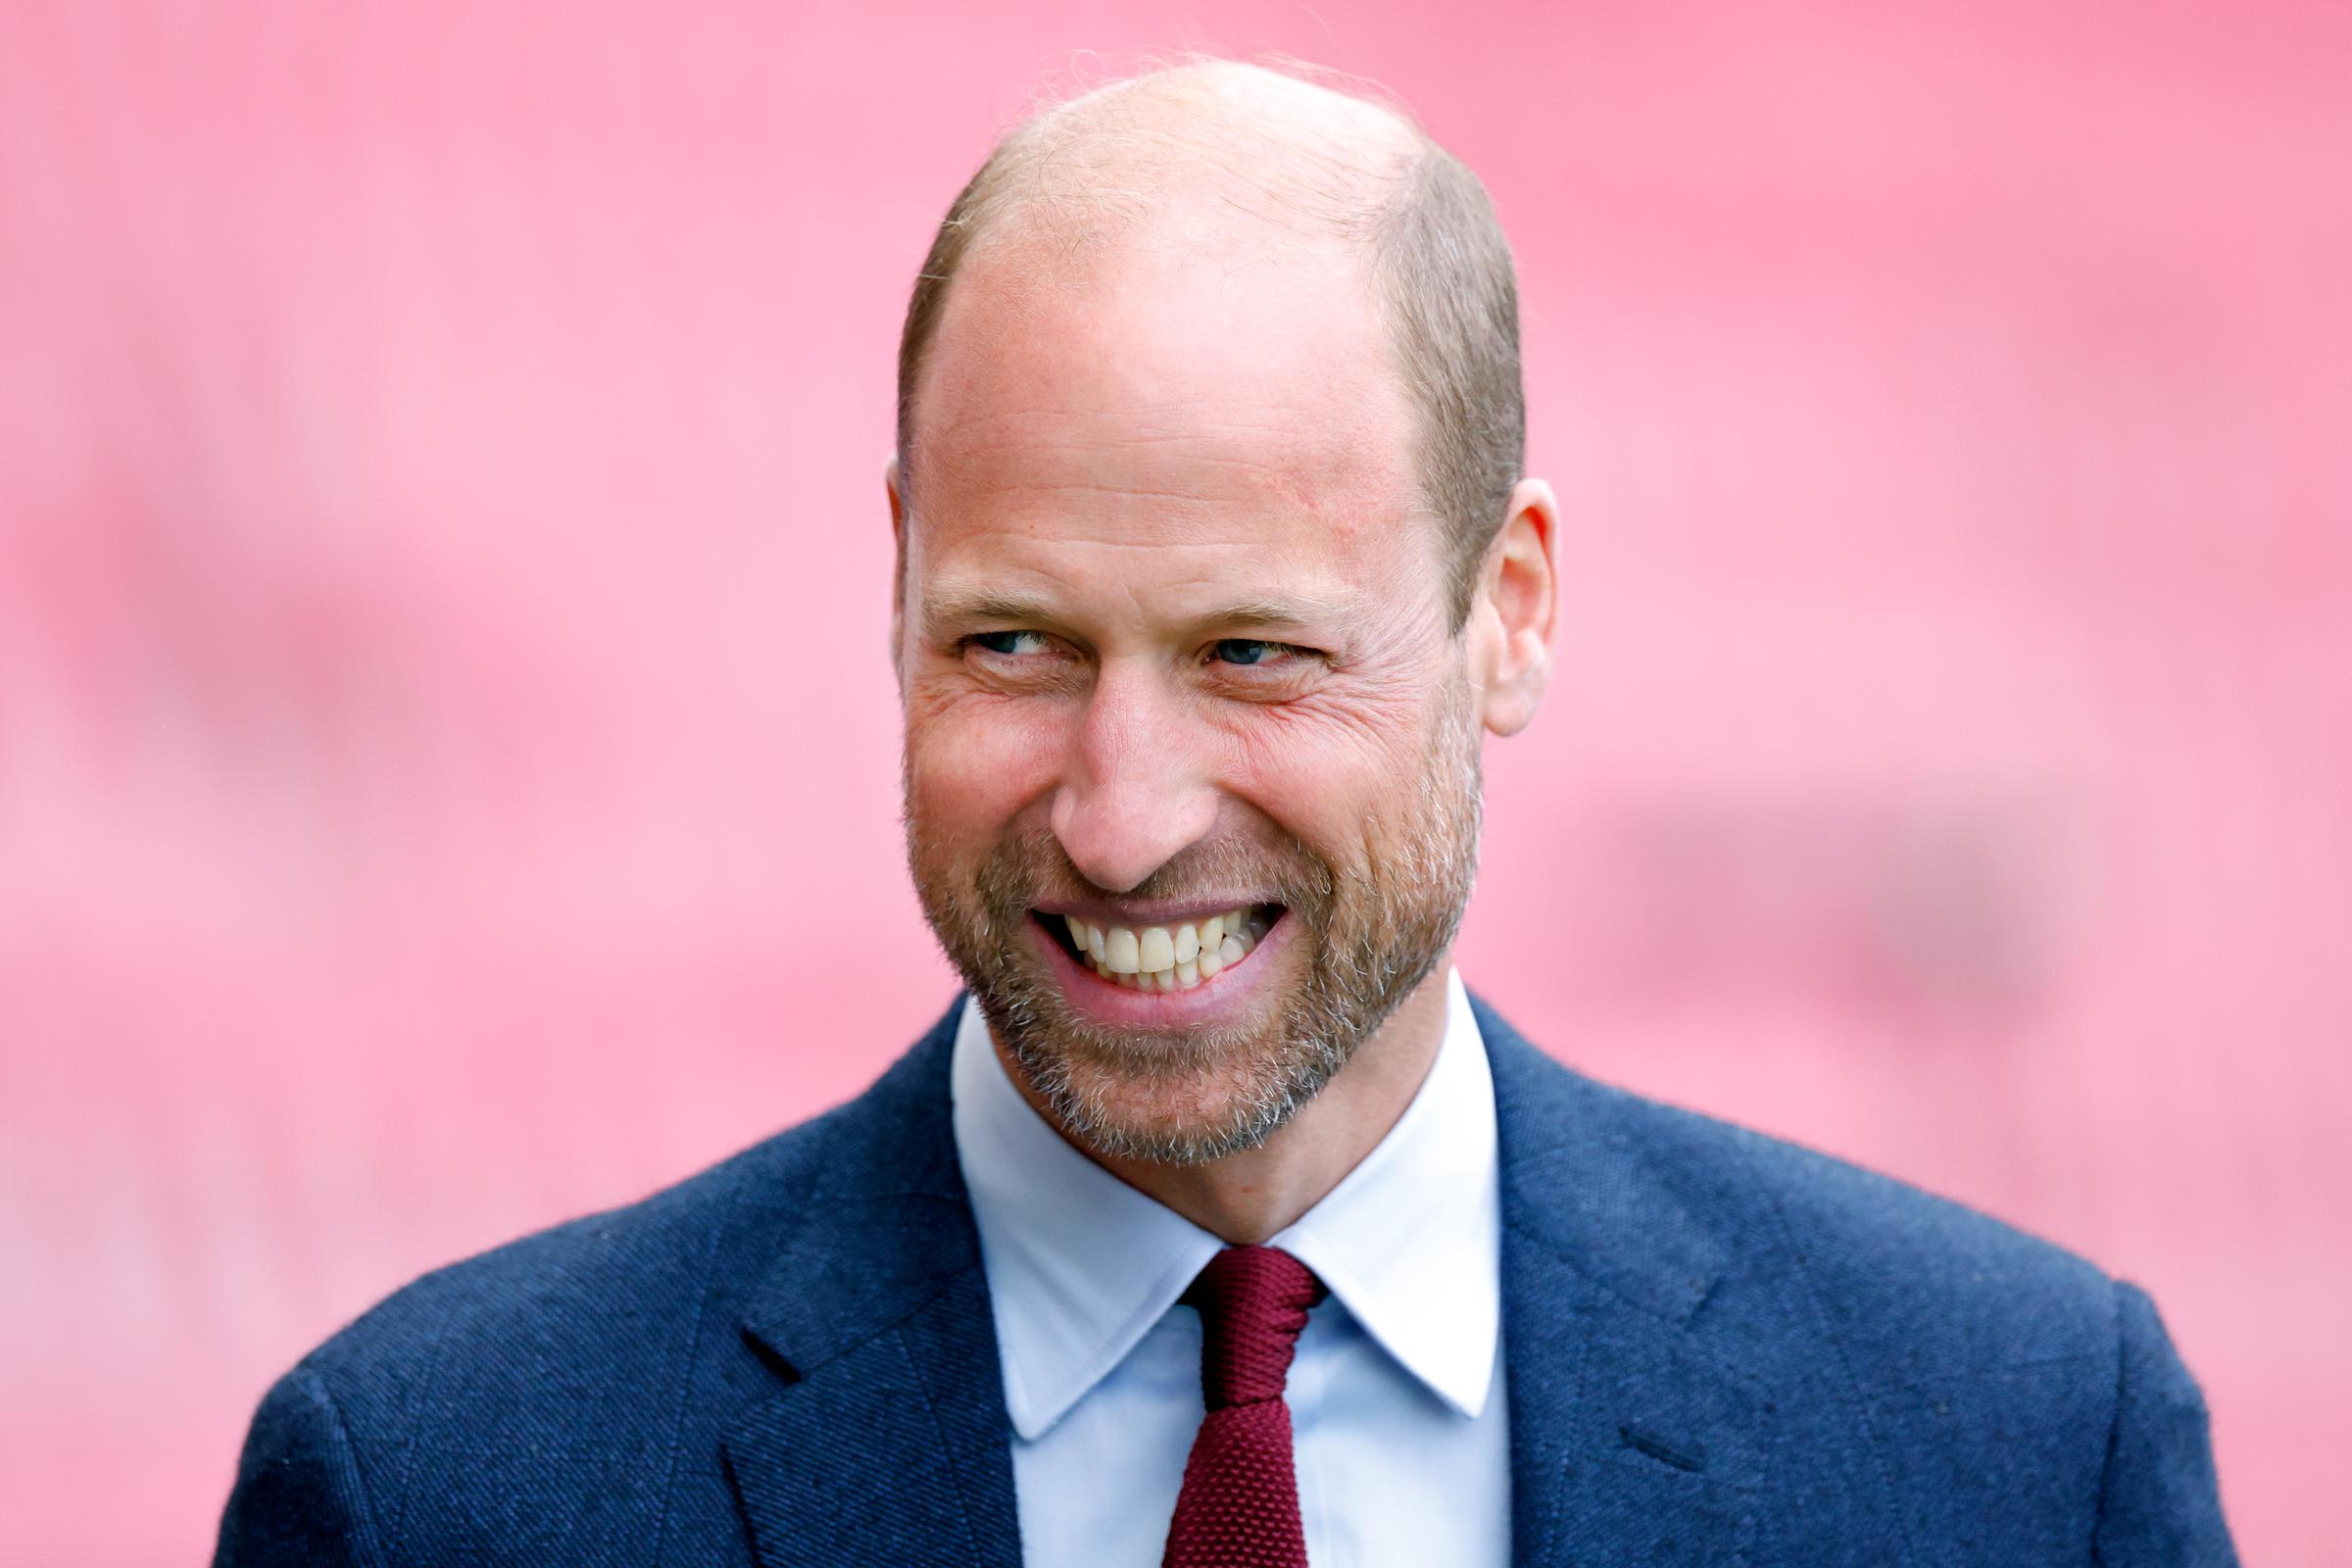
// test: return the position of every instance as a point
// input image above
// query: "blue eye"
(1007, 644)
(1247, 650)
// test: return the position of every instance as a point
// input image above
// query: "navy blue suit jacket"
(1721, 1349)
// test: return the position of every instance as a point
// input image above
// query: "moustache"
(1031, 868)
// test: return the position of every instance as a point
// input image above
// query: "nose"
(1136, 787)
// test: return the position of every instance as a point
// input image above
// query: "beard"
(1368, 932)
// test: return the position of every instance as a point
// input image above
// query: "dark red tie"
(1239, 1503)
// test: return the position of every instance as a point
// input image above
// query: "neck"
(1248, 1197)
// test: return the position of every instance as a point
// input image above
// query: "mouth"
(1177, 955)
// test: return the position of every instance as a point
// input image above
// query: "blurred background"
(448, 762)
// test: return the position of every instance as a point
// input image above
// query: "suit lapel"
(887, 1440)
(1629, 1444)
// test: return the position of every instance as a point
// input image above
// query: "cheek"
(976, 760)
(1339, 778)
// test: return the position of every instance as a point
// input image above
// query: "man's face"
(1191, 757)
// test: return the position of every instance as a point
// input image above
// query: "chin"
(1175, 1113)
(1155, 1138)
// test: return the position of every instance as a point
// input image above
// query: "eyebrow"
(1263, 614)
(960, 609)
(953, 610)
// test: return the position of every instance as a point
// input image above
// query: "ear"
(898, 571)
(1517, 602)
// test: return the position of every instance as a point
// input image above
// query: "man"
(1218, 1224)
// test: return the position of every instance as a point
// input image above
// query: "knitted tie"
(1239, 1503)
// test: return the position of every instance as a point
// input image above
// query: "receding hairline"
(1324, 154)
(1269, 156)
(1261, 155)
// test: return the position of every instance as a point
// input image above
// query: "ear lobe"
(1518, 604)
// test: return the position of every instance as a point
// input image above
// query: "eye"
(1008, 644)
(1249, 651)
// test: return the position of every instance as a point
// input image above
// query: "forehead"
(1166, 393)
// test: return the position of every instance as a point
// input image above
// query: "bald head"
(1229, 165)
(1235, 150)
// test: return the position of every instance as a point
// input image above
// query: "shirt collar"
(1080, 1264)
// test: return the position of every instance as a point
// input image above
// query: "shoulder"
(593, 1326)
(1883, 1250)
(514, 1394)
(572, 1384)
(568, 1344)
(577, 1288)
(2000, 1386)
(1907, 1283)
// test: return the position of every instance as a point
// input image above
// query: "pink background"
(448, 772)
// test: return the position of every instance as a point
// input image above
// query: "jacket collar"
(1081, 1265)
(1629, 1443)
(888, 1440)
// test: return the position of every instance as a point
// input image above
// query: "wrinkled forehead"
(1205, 368)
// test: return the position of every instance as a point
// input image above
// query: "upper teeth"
(1161, 958)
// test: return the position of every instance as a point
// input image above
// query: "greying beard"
(1372, 940)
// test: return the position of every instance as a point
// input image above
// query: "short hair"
(1443, 272)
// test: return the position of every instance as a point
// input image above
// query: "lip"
(1143, 913)
(1224, 996)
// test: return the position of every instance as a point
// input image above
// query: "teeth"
(1158, 958)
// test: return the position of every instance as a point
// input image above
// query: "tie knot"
(1253, 1303)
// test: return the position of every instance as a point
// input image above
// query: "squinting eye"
(1007, 644)
(1249, 651)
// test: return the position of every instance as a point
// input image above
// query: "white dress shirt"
(1396, 1396)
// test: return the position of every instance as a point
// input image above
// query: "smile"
(1164, 958)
